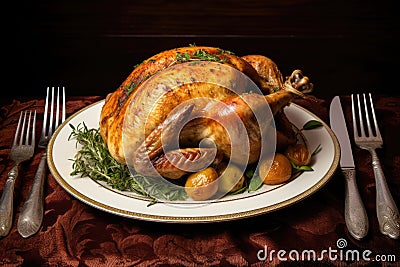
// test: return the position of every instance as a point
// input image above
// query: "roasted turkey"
(136, 119)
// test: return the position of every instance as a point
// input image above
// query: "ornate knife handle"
(386, 209)
(355, 214)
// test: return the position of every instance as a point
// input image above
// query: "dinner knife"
(354, 211)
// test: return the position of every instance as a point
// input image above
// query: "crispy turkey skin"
(137, 111)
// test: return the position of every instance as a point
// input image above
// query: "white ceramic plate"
(266, 199)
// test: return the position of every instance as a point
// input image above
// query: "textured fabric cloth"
(75, 234)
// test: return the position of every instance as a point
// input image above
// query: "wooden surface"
(91, 46)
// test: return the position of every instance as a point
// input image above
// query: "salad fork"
(31, 215)
(20, 152)
(387, 212)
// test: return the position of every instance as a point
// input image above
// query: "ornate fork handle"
(31, 215)
(386, 209)
(7, 202)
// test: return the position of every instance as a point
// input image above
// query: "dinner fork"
(31, 215)
(20, 152)
(387, 212)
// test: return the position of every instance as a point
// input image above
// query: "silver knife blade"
(338, 125)
(354, 211)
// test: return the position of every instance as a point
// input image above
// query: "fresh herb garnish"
(137, 65)
(197, 56)
(300, 168)
(309, 125)
(130, 87)
(183, 57)
(255, 184)
(223, 51)
(203, 55)
(94, 160)
(316, 150)
(312, 124)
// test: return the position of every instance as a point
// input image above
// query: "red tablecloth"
(75, 234)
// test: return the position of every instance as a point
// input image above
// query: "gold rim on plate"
(63, 181)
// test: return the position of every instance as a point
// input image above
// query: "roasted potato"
(231, 179)
(279, 172)
(202, 185)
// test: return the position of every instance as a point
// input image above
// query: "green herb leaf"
(197, 56)
(316, 150)
(305, 168)
(249, 173)
(131, 86)
(300, 168)
(239, 191)
(312, 124)
(255, 183)
(182, 57)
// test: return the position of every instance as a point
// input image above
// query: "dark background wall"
(91, 46)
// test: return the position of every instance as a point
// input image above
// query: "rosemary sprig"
(94, 160)
(198, 55)
(130, 87)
